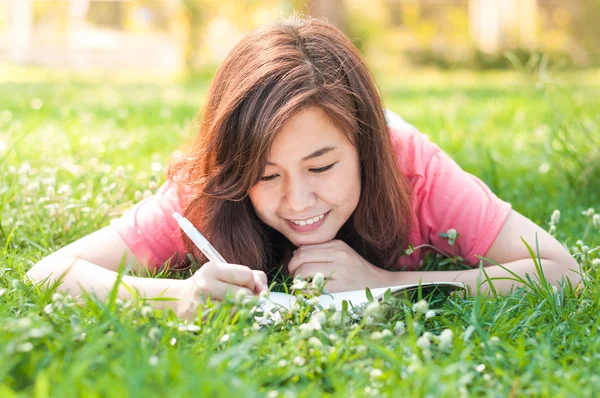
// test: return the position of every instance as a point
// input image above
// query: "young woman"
(294, 165)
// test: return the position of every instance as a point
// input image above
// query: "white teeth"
(309, 221)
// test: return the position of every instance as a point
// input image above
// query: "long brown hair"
(270, 75)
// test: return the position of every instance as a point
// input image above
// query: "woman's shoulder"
(412, 149)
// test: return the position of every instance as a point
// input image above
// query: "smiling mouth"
(308, 225)
(309, 221)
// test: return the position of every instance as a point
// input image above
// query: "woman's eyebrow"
(317, 153)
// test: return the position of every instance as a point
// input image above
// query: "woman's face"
(311, 184)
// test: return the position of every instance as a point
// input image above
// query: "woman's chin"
(309, 240)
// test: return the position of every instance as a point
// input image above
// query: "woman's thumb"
(260, 281)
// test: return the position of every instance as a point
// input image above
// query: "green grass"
(505, 128)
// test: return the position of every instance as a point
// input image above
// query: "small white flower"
(429, 314)
(64, 190)
(153, 360)
(188, 327)
(36, 333)
(156, 167)
(120, 172)
(299, 285)
(399, 328)
(3, 291)
(318, 280)
(48, 309)
(137, 196)
(25, 347)
(552, 229)
(276, 318)
(50, 192)
(421, 307)
(423, 342)
(224, 338)
(381, 335)
(173, 341)
(446, 338)
(313, 301)
(317, 319)
(80, 337)
(153, 333)
(36, 103)
(239, 297)
(596, 262)
(555, 218)
(147, 193)
(152, 185)
(376, 373)
(24, 323)
(596, 221)
(336, 318)
(589, 212)
(282, 363)
(299, 361)
(273, 394)
(315, 342)
(146, 311)
(306, 330)
(452, 234)
(373, 309)
(480, 368)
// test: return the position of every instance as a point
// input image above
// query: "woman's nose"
(299, 195)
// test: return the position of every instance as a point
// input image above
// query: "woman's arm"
(90, 264)
(79, 276)
(509, 251)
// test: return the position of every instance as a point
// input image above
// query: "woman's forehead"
(306, 132)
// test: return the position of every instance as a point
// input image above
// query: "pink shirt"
(444, 197)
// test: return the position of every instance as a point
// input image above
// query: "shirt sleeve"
(150, 231)
(447, 197)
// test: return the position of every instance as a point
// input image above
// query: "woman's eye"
(268, 178)
(322, 169)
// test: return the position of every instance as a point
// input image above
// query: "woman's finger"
(260, 281)
(220, 289)
(236, 275)
(321, 255)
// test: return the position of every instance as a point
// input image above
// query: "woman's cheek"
(343, 186)
(264, 200)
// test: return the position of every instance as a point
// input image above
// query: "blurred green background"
(171, 36)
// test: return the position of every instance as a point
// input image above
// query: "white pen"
(199, 240)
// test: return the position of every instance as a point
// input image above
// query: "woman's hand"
(344, 267)
(216, 280)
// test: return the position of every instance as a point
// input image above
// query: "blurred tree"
(586, 30)
(195, 17)
(333, 10)
(394, 8)
(109, 14)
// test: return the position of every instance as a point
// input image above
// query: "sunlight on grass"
(74, 154)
